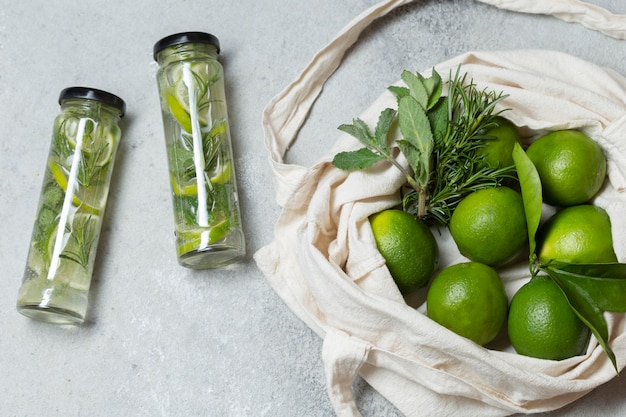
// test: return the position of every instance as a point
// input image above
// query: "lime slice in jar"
(223, 174)
(100, 150)
(179, 112)
(200, 238)
(188, 188)
(69, 129)
(97, 140)
(85, 198)
(187, 77)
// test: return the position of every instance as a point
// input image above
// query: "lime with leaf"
(542, 324)
(589, 288)
(489, 226)
(572, 167)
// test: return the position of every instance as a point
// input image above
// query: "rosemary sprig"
(203, 90)
(94, 153)
(82, 238)
(60, 145)
(90, 167)
(441, 139)
(184, 155)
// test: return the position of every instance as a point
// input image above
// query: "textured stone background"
(162, 340)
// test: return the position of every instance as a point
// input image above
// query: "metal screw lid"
(185, 37)
(93, 94)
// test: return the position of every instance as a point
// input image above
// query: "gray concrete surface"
(162, 340)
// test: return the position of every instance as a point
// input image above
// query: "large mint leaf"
(359, 159)
(385, 121)
(417, 87)
(438, 117)
(415, 128)
(434, 88)
(360, 130)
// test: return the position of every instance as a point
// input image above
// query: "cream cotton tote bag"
(324, 264)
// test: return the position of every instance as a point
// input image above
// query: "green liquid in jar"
(201, 169)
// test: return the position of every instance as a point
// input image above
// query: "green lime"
(572, 167)
(498, 152)
(198, 239)
(89, 199)
(577, 234)
(469, 299)
(408, 246)
(489, 225)
(542, 324)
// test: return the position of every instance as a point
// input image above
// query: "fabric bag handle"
(573, 11)
(285, 114)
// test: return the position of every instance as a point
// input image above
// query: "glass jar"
(71, 206)
(198, 144)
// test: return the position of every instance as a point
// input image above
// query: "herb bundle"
(441, 139)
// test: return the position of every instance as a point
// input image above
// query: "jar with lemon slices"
(200, 160)
(71, 206)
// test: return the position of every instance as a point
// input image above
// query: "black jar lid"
(93, 94)
(186, 37)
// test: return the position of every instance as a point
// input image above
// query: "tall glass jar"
(200, 159)
(71, 206)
